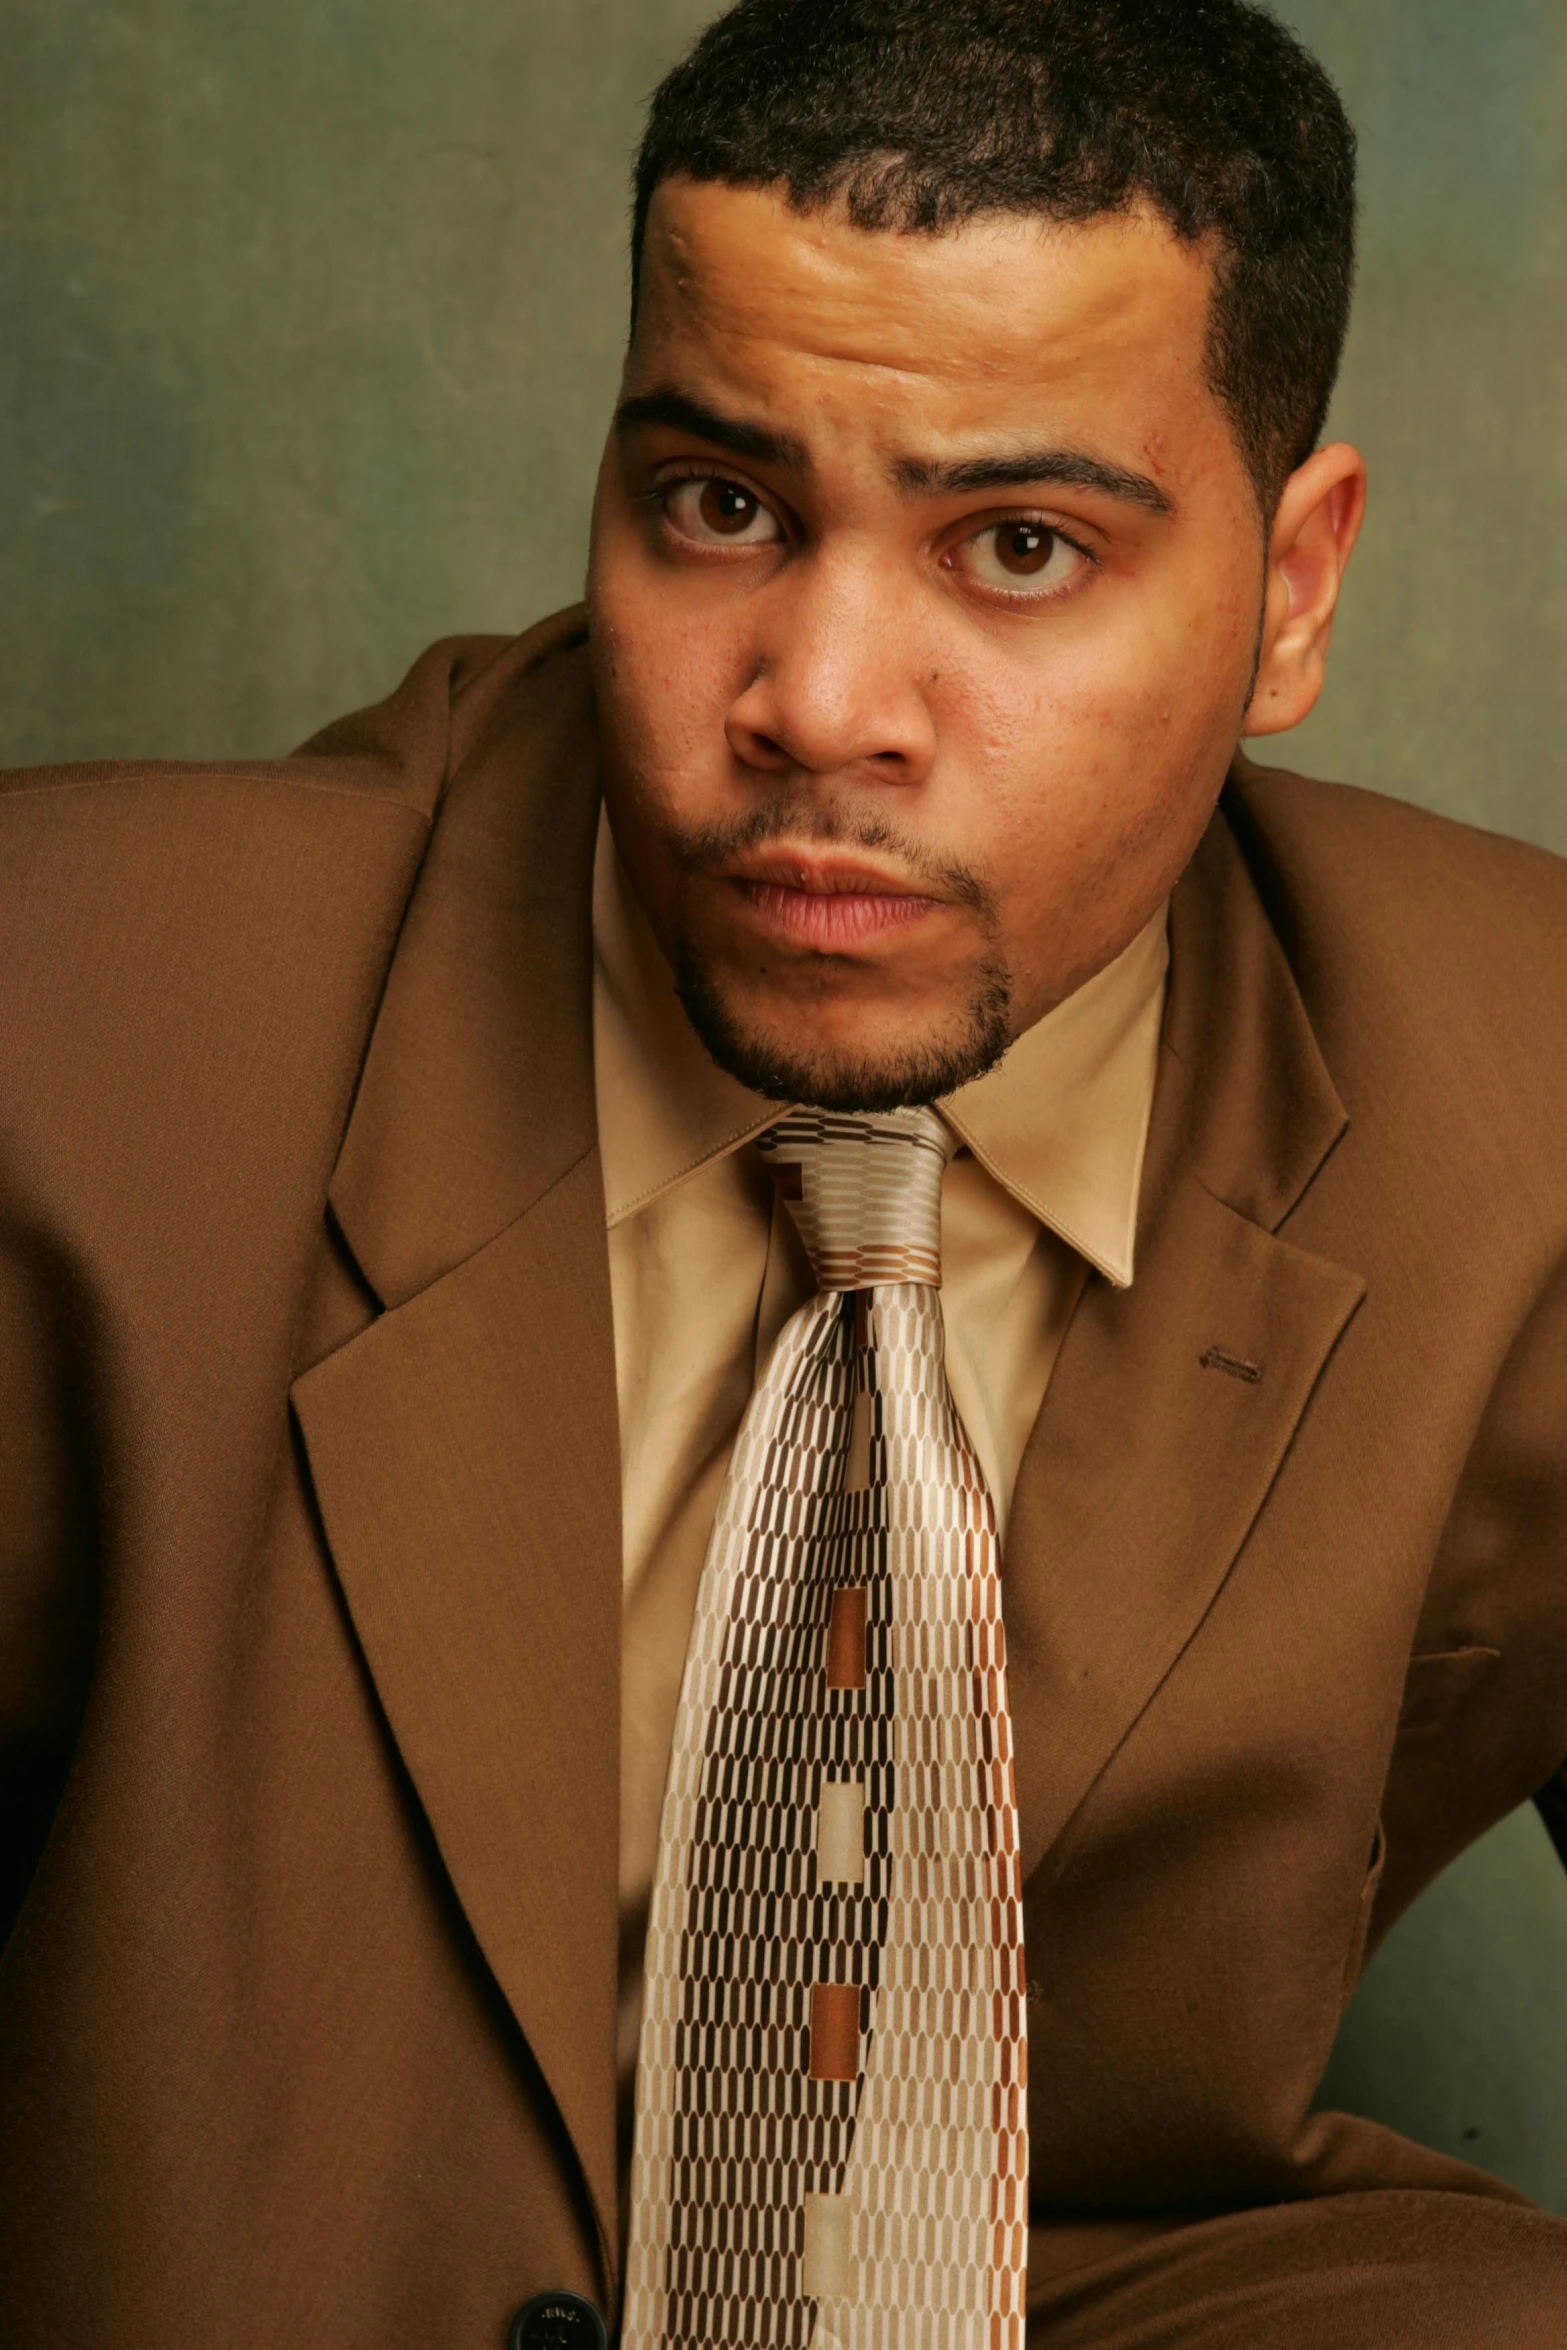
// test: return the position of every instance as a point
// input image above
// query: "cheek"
(663, 687)
(1110, 706)
(1095, 759)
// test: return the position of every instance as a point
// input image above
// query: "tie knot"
(864, 1189)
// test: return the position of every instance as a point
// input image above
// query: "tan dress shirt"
(705, 1269)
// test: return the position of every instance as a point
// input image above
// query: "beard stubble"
(922, 1069)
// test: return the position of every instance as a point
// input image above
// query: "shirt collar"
(1061, 1123)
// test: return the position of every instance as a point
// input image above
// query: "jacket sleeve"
(1491, 1645)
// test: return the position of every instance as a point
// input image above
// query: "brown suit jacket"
(309, 1548)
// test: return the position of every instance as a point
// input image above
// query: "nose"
(837, 681)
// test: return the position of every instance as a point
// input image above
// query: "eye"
(714, 512)
(1021, 556)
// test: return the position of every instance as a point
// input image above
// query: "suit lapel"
(465, 1461)
(1172, 1403)
(464, 1448)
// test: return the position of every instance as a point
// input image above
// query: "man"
(507, 1544)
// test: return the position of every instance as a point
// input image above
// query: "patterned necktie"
(831, 2133)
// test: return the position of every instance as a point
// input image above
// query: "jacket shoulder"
(402, 750)
(1427, 902)
(1351, 839)
(1431, 958)
(176, 937)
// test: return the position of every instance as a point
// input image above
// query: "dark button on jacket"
(557, 2321)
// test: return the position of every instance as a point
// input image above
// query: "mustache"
(706, 849)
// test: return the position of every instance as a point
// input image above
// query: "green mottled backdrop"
(309, 315)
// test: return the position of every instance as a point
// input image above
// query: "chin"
(787, 1057)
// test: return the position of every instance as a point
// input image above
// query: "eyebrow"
(665, 405)
(916, 477)
(1070, 469)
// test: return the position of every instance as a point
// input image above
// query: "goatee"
(925, 1070)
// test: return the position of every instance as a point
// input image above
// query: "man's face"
(924, 594)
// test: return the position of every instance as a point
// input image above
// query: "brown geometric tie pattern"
(831, 2135)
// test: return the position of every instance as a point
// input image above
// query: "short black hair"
(918, 114)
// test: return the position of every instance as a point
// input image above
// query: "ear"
(1314, 533)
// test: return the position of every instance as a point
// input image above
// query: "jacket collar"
(1261, 1110)
(477, 1090)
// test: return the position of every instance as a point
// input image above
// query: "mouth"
(824, 904)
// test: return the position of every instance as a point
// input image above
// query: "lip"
(821, 876)
(828, 905)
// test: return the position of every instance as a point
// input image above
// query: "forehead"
(1002, 323)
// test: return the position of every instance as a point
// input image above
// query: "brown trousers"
(1392, 2270)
